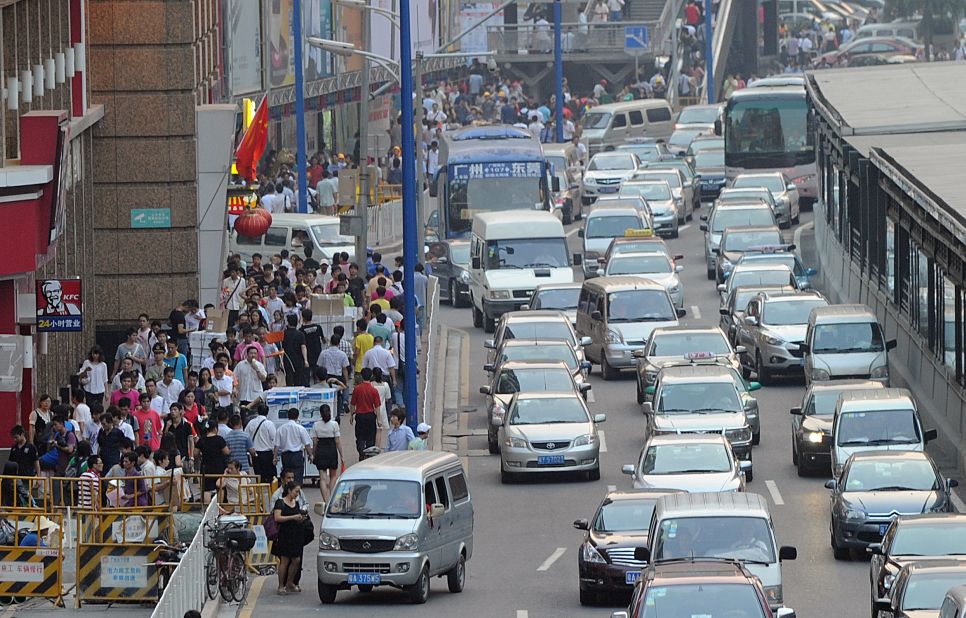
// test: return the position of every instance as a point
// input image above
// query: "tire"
(640, 391)
(711, 275)
(606, 370)
(456, 577)
(327, 593)
(682, 220)
(489, 325)
(745, 372)
(675, 233)
(840, 553)
(211, 576)
(594, 475)
(568, 213)
(451, 289)
(756, 438)
(419, 592)
(749, 476)
(506, 478)
(477, 317)
(795, 461)
(238, 578)
(764, 376)
(493, 445)
(589, 598)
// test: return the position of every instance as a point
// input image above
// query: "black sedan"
(451, 263)
(875, 487)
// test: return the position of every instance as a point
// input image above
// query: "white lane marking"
(612, 488)
(776, 495)
(684, 227)
(591, 398)
(696, 312)
(553, 558)
(569, 234)
(522, 613)
(798, 235)
(603, 440)
(958, 503)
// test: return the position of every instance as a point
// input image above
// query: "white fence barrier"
(186, 588)
(385, 223)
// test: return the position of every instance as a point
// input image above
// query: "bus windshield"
(770, 130)
(467, 195)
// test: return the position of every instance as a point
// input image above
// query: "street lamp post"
(708, 51)
(303, 197)
(558, 72)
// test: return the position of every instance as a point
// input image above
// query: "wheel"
(682, 220)
(797, 218)
(676, 233)
(327, 593)
(506, 478)
(451, 290)
(795, 455)
(211, 576)
(840, 553)
(492, 444)
(419, 592)
(489, 325)
(606, 370)
(764, 376)
(237, 577)
(745, 372)
(589, 598)
(785, 225)
(365, 588)
(594, 475)
(749, 476)
(711, 274)
(456, 577)
(756, 438)
(477, 317)
(640, 391)
(568, 213)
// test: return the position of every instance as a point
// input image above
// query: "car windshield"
(630, 264)
(878, 427)
(847, 337)
(644, 152)
(938, 539)
(782, 257)
(743, 294)
(596, 120)
(759, 278)
(926, 591)
(891, 475)
(741, 217)
(679, 344)
(625, 515)
(704, 458)
(671, 177)
(460, 253)
(527, 253)
(548, 411)
(739, 538)
(702, 601)
(786, 313)
(612, 226)
(698, 397)
(699, 115)
(743, 241)
(552, 330)
(562, 299)
(709, 158)
(533, 380)
(614, 161)
(637, 246)
(773, 183)
(543, 352)
(650, 190)
(366, 499)
(328, 234)
(682, 137)
(639, 306)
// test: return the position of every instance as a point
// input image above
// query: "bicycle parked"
(227, 539)
(169, 556)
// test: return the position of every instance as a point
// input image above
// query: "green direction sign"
(150, 217)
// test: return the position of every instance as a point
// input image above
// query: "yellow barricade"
(29, 570)
(24, 494)
(116, 555)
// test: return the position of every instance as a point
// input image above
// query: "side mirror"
(740, 349)
(475, 263)
(585, 341)
(578, 259)
(678, 257)
(681, 312)
(882, 605)
(929, 435)
(583, 387)
(678, 268)
(831, 484)
(627, 469)
(437, 510)
(488, 367)
(595, 315)
(555, 184)
(716, 251)
(951, 483)
(600, 418)
(809, 272)
(785, 612)
(803, 347)
(638, 353)
(875, 548)
(489, 344)
(891, 344)
(751, 320)
(744, 465)
(485, 390)
(642, 554)
(796, 411)
(787, 552)
(704, 217)
(648, 408)
(754, 386)
(704, 226)
(524, 307)
(581, 524)
(722, 287)
(580, 233)
(724, 311)
(650, 390)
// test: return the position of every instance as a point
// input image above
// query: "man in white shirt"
(432, 159)
(250, 373)
(293, 444)
(328, 194)
(193, 317)
(273, 303)
(381, 357)
(568, 129)
(233, 294)
(263, 434)
(82, 412)
(169, 389)
(224, 385)
(536, 126)
(127, 366)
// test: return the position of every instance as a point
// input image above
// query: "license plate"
(365, 578)
(631, 577)
(882, 529)
(608, 189)
(549, 460)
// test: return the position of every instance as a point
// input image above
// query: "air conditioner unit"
(11, 363)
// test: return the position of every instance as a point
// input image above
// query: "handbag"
(308, 531)
(271, 527)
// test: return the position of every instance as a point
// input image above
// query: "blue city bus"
(487, 168)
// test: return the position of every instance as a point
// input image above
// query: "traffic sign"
(636, 40)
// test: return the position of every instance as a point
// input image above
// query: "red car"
(880, 46)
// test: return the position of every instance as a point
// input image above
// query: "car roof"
(714, 503)
(942, 565)
(623, 283)
(840, 384)
(636, 494)
(518, 343)
(792, 295)
(289, 218)
(549, 395)
(699, 570)
(684, 330)
(932, 519)
(753, 228)
(400, 465)
(532, 364)
(535, 315)
(844, 311)
(686, 438)
(707, 372)
(890, 455)
(877, 396)
(733, 190)
(749, 204)
(614, 211)
(633, 254)
(759, 267)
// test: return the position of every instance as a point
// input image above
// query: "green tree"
(931, 12)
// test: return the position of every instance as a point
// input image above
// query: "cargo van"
(295, 232)
(397, 519)
(845, 342)
(734, 525)
(511, 253)
(606, 127)
(883, 419)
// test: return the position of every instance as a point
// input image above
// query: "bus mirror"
(555, 184)
(717, 127)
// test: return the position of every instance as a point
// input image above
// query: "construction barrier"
(31, 570)
(186, 587)
(25, 494)
(116, 555)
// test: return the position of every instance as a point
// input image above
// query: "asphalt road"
(525, 558)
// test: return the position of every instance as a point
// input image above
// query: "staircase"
(645, 10)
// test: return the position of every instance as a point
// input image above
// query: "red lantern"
(253, 222)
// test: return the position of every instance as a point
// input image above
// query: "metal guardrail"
(185, 589)
(720, 42)
(385, 222)
(576, 38)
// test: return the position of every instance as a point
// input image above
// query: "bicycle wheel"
(238, 576)
(211, 575)
(224, 577)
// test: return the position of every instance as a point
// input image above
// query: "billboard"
(245, 47)
(470, 14)
(59, 305)
(316, 22)
(424, 19)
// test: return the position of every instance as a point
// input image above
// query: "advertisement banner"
(59, 305)
(245, 46)
(471, 13)
(316, 22)
(424, 17)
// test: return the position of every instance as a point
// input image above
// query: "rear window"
(659, 114)
(457, 484)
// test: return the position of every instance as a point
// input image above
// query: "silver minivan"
(397, 519)
(845, 342)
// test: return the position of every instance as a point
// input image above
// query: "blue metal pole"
(411, 250)
(708, 51)
(558, 72)
(300, 106)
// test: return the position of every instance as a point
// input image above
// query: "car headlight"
(590, 180)
(407, 542)
(853, 514)
(327, 541)
(881, 371)
(590, 554)
(773, 340)
(815, 437)
(465, 277)
(585, 440)
(773, 594)
(498, 294)
(738, 435)
(820, 374)
(613, 337)
(512, 442)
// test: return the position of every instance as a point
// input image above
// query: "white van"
(606, 127)
(845, 342)
(397, 519)
(734, 525)
(294, 231)
(511, 253)
(884, 419)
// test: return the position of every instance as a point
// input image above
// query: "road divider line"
(957, 502)
(553, 558)
(572, 232)
(776, 495)
(696, 312)
(797, 236)
(684, 227)
(522, 613)
(603, 441)
(612, 488)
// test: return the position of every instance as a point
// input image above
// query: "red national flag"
(253, 143)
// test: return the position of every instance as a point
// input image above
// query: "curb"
(438, 364)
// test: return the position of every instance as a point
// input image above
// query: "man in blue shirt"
(400, 435)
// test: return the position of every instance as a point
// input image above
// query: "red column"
(11, 412)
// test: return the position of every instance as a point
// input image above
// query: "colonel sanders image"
(55, 304)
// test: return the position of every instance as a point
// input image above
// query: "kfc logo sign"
(59, 305)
